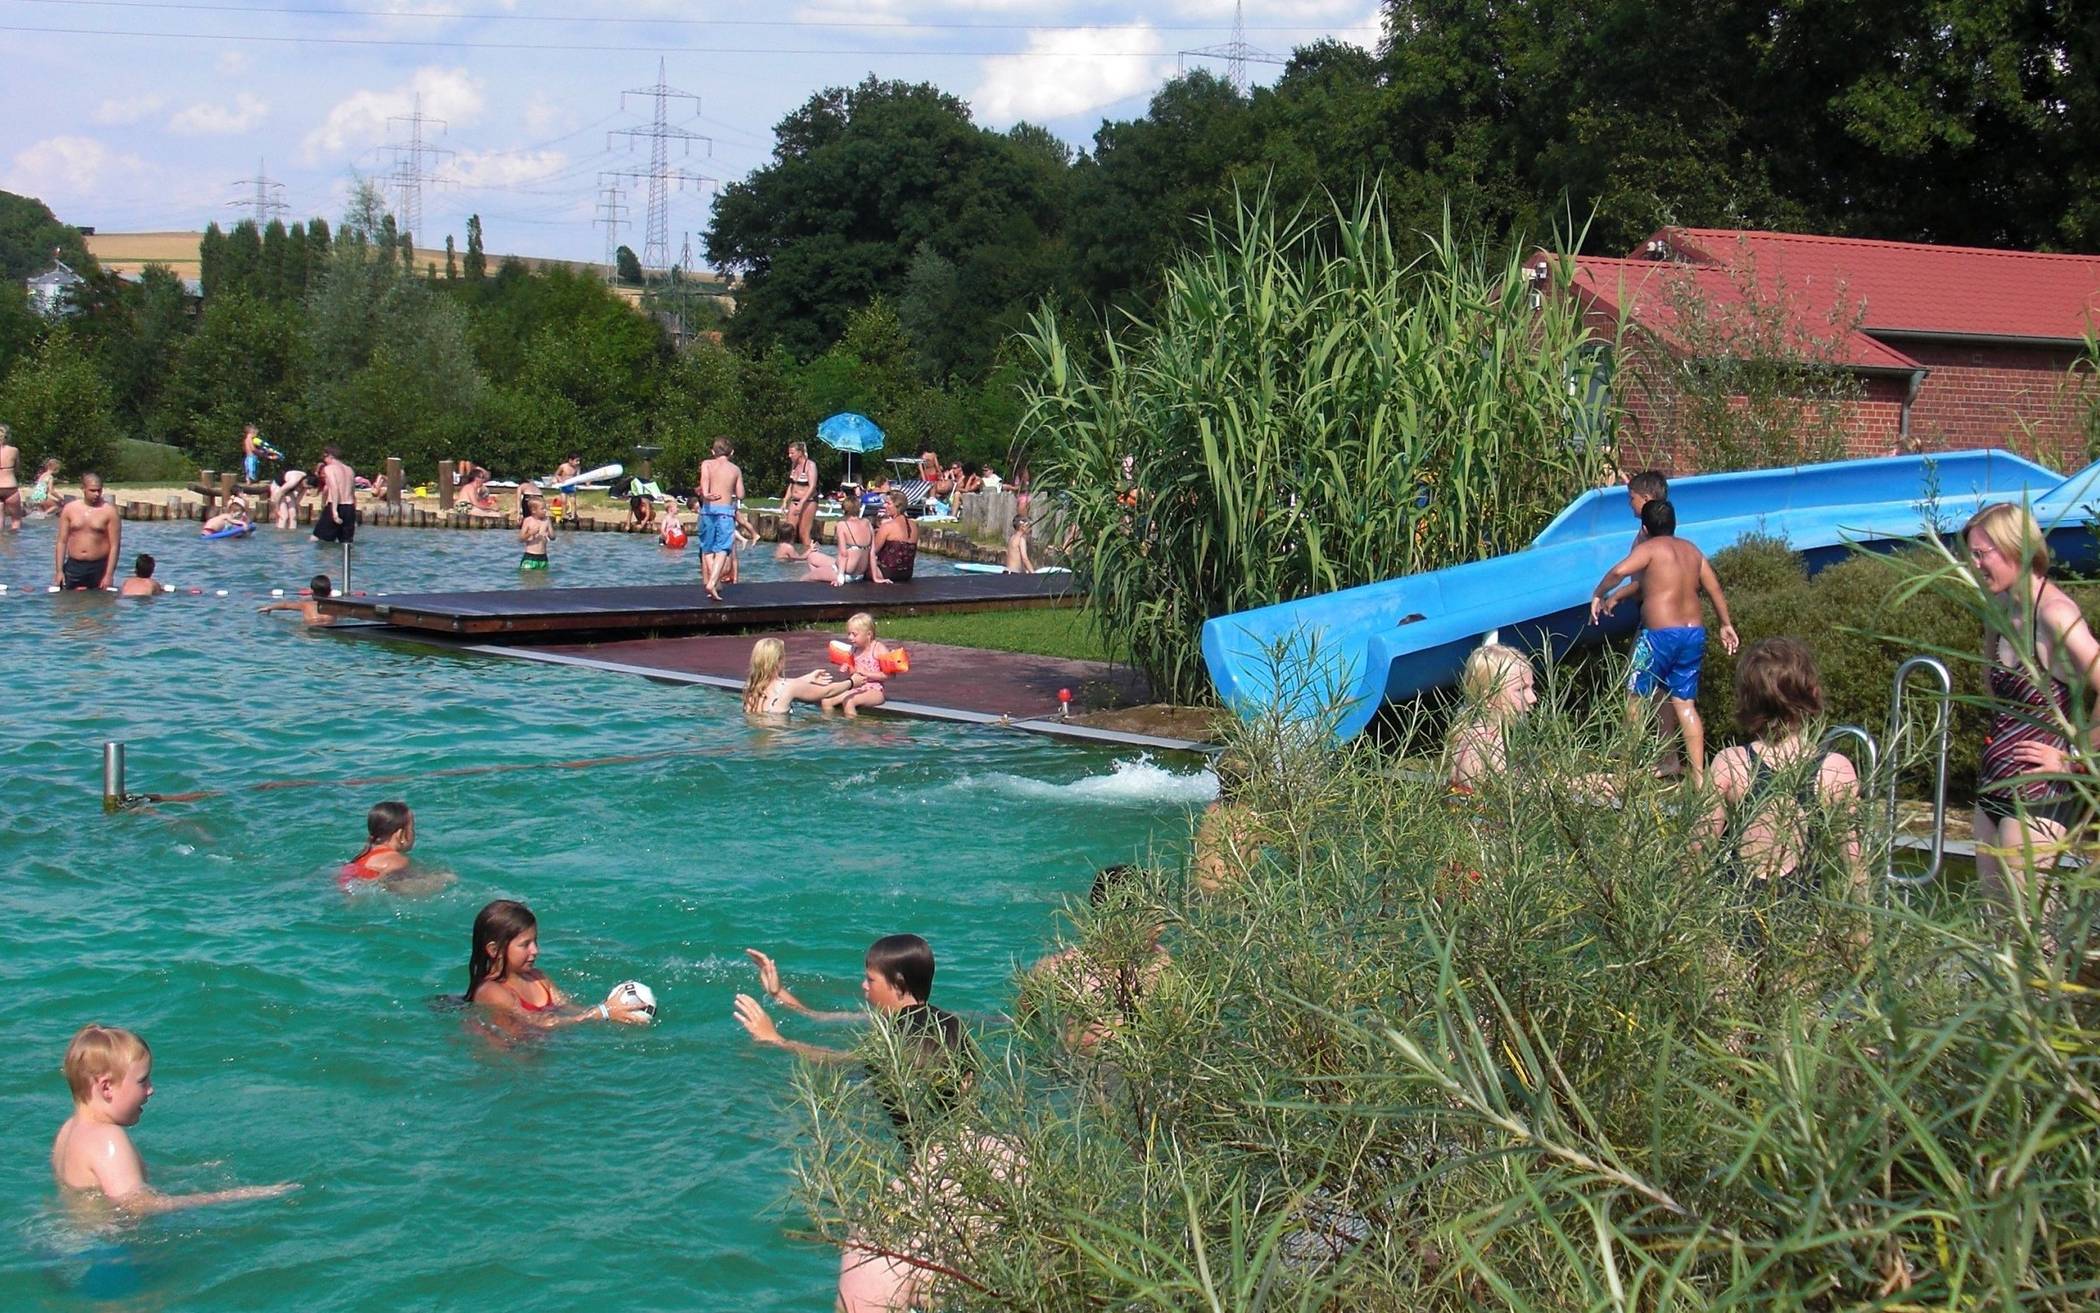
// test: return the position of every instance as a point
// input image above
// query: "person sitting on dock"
(896, 550)
(865, 675)
(535, 535)
(140, 584)
(307, 607)
(1672, 645)
(767, 692)
(721, 488)
(473, 494)
(855, 535)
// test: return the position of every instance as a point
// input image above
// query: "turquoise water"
(294, 1027)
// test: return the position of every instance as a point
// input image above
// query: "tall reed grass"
(1308, 407)
(1530, 1053)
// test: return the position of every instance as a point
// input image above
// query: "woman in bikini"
(1779, 791)
(798, 504)
(11, 513)
(896, 550)
(855, 537)
(767, 692)
(503, 974)
(2036, 644)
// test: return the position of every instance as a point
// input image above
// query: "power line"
(572, 47)
(661, 132)
(409, 176)
(268, 199)
(614, 216)
(1236, 53)
(811, 24)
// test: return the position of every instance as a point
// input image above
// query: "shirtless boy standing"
(89, 537)
(336, 522)
(721, 488)
(1672, 645)
(111, 1075)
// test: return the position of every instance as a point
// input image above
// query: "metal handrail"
(1944, 713)
(1872, 753)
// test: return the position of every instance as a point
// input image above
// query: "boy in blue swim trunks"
(1672, 645)
(721, 488)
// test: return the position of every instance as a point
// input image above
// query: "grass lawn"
(1045, 631)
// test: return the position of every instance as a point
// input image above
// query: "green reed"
(1310, 407)
(1533, 1052)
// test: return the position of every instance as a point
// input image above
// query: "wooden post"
(208, 480)
(444, 484)
(393, 482)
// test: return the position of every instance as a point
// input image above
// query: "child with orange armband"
(869, 664)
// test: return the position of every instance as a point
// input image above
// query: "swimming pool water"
(295, 1029)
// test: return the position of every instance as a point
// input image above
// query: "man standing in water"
(89, 537)
(721, 488)
(1672, 645)
(337, 520)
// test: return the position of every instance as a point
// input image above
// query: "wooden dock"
(685, 608)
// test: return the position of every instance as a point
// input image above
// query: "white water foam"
(1138, 782)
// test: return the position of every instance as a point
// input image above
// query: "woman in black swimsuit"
(798, 504)
(2038, 637)
(896, 544)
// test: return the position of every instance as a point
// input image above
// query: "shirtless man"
(11, 511)
(798, 504)
(721, 488)
(336, 522)
(89, 537)
(1672, 645)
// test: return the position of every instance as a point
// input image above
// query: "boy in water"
(721, 488)
(1672, 645)
(535, 535)
(110, 1072)
(305, 606)
(1018, 561)
(140, 584)
(896, 981)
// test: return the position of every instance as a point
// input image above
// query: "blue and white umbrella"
(851, 433)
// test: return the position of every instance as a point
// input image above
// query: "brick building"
(1949, 347)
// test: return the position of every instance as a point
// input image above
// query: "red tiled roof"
(1651, 292)
(1900, 287)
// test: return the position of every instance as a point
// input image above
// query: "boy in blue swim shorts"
(721, 488)
(1672, 646)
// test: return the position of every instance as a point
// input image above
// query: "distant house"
(48, 290)
(1953, 347)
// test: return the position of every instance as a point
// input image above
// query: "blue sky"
(152, 132)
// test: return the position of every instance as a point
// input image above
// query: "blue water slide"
(1360, 647)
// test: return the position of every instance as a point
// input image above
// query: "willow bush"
(1533, 1053)
(1306, 409)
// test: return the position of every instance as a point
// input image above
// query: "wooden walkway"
(685, 608)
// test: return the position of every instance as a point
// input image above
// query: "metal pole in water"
(112, 776)
(344, 591)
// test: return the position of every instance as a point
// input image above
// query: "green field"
(1055, 632)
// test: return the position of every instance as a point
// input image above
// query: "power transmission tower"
(1236, 53)
(268, 199)
(409, 175)
(661, 173)
(613, 215)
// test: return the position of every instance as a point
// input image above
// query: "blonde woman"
(2039, 644)
(1500, 687)
(768, 693)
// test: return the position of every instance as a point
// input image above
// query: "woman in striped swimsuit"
(2017, 805)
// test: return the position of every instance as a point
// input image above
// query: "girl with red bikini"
(503, 974)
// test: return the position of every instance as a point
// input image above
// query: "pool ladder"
(1898, 731)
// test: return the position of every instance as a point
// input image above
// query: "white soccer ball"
(634, 996)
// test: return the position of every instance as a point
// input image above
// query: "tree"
(30, 233)
(273, 280)
(140, 362)
(243, 260)
(627, 268)
(243, 363)
(21, 328)
(56, 404)
(211, 260)
(477, 266)
(860, 182)
(451, 261)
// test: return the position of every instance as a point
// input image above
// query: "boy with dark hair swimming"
(307, 607)
(1672, 646)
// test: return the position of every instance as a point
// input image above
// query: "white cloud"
(206, 119)
(69, 167)
(232, 61)
(476, 169)
(543, 115)
(360, 119)
(1070, 72)
(120, 111)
